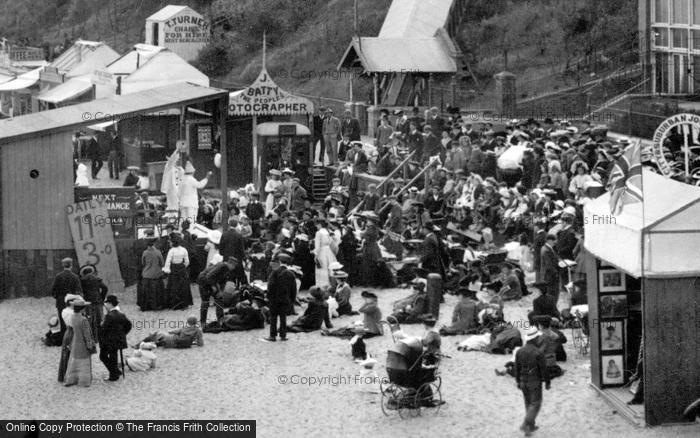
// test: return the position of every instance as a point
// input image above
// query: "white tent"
(667, 224)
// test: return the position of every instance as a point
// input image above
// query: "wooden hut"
(644, 288)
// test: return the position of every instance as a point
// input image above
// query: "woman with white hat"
(82, 348)
(67, 316)
(271, 186)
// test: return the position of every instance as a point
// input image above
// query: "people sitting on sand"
(342, 294)
(504, 339)
(142, 359)
(315, 315)
(248, 314)
(413, 309)
(545, 304)
(371, 322)
(53, 337)
(464, 315)
(184, 337)
(510, 289)
(431, 341)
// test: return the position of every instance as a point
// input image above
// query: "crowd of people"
(477, 206)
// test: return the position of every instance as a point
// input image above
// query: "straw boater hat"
(275, 172)
(87, 270)
(70, 297)
(340, 274)
(531, 334)
(368, 294)
(334, 266)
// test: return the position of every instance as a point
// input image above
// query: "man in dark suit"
(431, 144)
(549, 268)
(232, 243)
(432, 251)
(437, 123)
(543, 305)
(530, 372)
(537, 244)
(415, 141)
(65, 282)
(212, 282)
(402, 123)
(350, 127)
(281, 292)
(113, 333)
(358, 159)
(417, 119)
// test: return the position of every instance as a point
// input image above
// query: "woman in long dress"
(176, 263)
(151, 294)
(324, 255)
(81, 348)
(371, 254)
(271, 186)
(67, 315)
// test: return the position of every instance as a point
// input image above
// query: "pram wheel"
(407, 404)
(429, 396)
(391, 395)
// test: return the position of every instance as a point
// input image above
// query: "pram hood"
(404, 353)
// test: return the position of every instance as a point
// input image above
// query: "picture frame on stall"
(613, 306)
(611, 280)
(612, 369)
(612, 336)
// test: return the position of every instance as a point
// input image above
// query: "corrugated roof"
(167, 12)
(399, 55)
(415, 18)
(75, 55)
(22, 81)
(140, 54)
(102, 110)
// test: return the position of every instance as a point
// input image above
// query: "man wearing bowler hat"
(65, 282)
(113, 333)
(530, 372)
(281, 288)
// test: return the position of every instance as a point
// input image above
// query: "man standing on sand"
(530, 372)
(331, 134)
(281, 288)
(112, 335)
(66, 282)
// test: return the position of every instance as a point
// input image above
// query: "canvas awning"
(666, 225)
(22, 81)
(66, 91)
(272, 129)
(264, 97)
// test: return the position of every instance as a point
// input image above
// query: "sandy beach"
(239, 376)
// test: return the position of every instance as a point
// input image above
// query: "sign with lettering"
(93, 239)
(265, 97)
(186, 29)
(204, 137)
(119, 204)
(102, 77)
(26, 54)
(684, 126)
(51, 74)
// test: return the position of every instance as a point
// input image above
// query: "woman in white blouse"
(176, 263)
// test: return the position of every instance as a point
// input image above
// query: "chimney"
(119, 85)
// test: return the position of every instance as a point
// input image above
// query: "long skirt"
(94, 313)
(151, 295)
(79, 372)
(65, 353)
(178, 289)
(369, 265)
(325, 257)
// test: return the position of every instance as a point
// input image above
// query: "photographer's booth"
(644, 290)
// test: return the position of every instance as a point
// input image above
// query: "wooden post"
(434, 290)
(257, 177)
(430, 90)
(223, 146)
(375, 79)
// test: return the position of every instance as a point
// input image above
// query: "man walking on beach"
(281, 288)
(113, 337)
(530, 372)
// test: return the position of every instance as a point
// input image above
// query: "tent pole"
(223, 146)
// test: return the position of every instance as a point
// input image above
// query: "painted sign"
(204, 137)
(265, 97)
(685, 124)
(119, 204)
(102, 77)
(186, 29)
(93, 239)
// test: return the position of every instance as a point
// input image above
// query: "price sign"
(93, 239)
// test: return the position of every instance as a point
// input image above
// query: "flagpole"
(264, 49)
(643, 261)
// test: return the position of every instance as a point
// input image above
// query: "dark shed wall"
(671, 347)
(593, 317)
(33, 209)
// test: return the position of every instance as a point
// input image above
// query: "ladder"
(319, 183)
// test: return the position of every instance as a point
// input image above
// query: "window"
(680, 11)
(696, 11)
(695, 39)
(680, 38)
(660, 36)
(661, 8)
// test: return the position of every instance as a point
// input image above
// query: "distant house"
(180, 29)
(145, 67)
(415, 44)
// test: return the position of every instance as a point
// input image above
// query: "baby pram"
(414, 382)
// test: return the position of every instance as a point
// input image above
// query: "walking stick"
(121, 356)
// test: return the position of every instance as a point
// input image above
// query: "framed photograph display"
(611, 280)
(613, 306)
(612, 336)
(613, 369)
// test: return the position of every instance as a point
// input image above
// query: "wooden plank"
(593, 318)
(671, 347)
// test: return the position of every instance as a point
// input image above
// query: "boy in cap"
(530, 372)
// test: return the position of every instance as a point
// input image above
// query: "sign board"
(685, 125)
(26, 54)
(186, 29)
(102, 77)
(93, 239)
(51, 74)
(265, 97)
(119, 205)
(204, 137)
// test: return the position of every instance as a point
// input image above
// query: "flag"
(625, 181)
